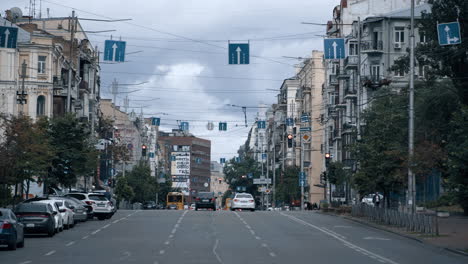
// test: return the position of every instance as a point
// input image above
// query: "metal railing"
(421, 223)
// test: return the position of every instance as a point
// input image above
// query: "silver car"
(243, 201)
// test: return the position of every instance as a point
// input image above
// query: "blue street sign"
(114, 50)
(261, 124)
(151, 154)
(184, 126)
(449, 33)
(304, 118)
(222, 126)
(237, 159)
(8, 37)
(198, 160)
(250, 175)
(222, 160)
(302, 175)
(238, 53)
(155, 121)
(334, 48)
(305, 129)
(173, 158)
(264, 156)
(289, 121)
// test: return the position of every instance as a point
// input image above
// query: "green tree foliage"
(142, 183)
(287, 187)
(336, 174)
(237, 173)
(458, 157)
(382, 150)
(123, 191)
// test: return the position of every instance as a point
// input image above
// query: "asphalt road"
(157, 237)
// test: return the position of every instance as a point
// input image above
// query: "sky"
(179, 68)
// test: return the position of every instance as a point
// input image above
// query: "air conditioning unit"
(397, 45)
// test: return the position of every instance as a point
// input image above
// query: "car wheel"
(101, 217)
(51, 232)
(12, 244)
(252, 210)
(196, 209)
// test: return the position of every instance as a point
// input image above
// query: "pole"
(71, 23)
(358, 80)
(302, 174)
(273, 191)
(22, 96)
(411, 177)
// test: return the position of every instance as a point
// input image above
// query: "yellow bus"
(175, 198)
(227, 203)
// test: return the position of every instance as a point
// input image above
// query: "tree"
(142, 183)
(237, 173)
(288, 189)
(123, 190)
(458, 157)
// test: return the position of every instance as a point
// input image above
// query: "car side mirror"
(72, 207)
(54, 213)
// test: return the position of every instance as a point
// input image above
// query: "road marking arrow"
(238, 50)
(114, 50)
(334, 49)
(7, 33)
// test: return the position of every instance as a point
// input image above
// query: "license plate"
(29, 225)
(101, 205)
(243, 201)
(205, 200)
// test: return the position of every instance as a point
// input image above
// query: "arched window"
(40, 105)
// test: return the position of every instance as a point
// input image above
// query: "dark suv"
(205, 200)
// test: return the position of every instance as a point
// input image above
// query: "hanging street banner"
(114, 50)
(334, 48)
(449, 33)
(238, 53)
(8, 37)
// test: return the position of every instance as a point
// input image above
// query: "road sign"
(222, 126)
(304, 118)
(222, 160)
(238, 159)
(198, 160)
(264, 156)
(306, 138)
(449, 33)
(151, 154)
(156, 121)
(184, 126)
(114, 50)
(250, 175)
(289, 122)
(261, 124)
(267, 191)
(305, 129)
(262, 181)
(238, 53)
(8, 37)
(302, 175)
(334, 48)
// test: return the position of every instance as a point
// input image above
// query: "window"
(41, 64)
(40, 108)
(353, 48)
(399, 34)
(422, 37)
(423, 71)
(399, 73)
(375, 72)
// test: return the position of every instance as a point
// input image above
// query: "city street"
(162, 236)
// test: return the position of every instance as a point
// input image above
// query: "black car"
(149, 205)
(205, 200)
(11, 230)
(36, 218)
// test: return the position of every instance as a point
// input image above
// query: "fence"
(411, 222)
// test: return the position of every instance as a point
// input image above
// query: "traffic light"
(290, 140)
(327, 159)
(143, 150)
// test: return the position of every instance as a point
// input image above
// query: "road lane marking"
(216, 253)
(258, 238)
(70, 243)
(171, 236)
(161, 252)
(376, 238)
(95, 232)
(174, 230)
(26, 262)
(264, 245)
(270, 251)
(166, 243)
(249, 227)
(115, 221)
(344, 241)
(336, 234)
(85, 237)
(272, 254)
(49, 253)
(106, 226)
(252, 232)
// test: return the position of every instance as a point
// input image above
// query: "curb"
(382, 228)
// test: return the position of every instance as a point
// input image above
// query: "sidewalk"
(453, 232)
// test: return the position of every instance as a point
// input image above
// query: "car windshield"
(205, 195)
(3, 215)
(243, 196)
(97, 197)
(30, 207)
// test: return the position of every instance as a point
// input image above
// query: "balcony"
(375, 81)
(342, 74)
(333, 80)
(351, 62)
(372, 46)
(350, 93)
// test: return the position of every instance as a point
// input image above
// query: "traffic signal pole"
(302, 179)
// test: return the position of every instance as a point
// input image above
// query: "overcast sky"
(184, 60)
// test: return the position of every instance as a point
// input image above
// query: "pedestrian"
(376, 199)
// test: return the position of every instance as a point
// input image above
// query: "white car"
(66, 212)
(102, 207)
(57, 214)
(368, 199)
(243, 201)
(192, 206)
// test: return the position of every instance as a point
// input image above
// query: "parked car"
(37, 217)
(192, 206)
(172, 207)
(205, 200)
(89, 203)
(11, 230)
(243, 201)
(57, 214)
(369, 199)
(66, 212)
(78, 207)
(103, 208)
(149, 205)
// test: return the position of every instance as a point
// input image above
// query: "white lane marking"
(215, 253)
(115, 221)
(167, 242)
(95, 232)
(176, 226)
(342, 226)
(345, 242)
(376, 238)
(49, 253)
(70, 243)
(336, 234)
(161, 252)
(264, 245)
(106, 226)
(85, 237)
(272, 254)
(252, 232)
(26, 262)
(249, 227)
(174, 230)
(171, 236)
(257, 237)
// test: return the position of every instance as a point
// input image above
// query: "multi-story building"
(351, 83)
(187, 160)
(309, 134)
